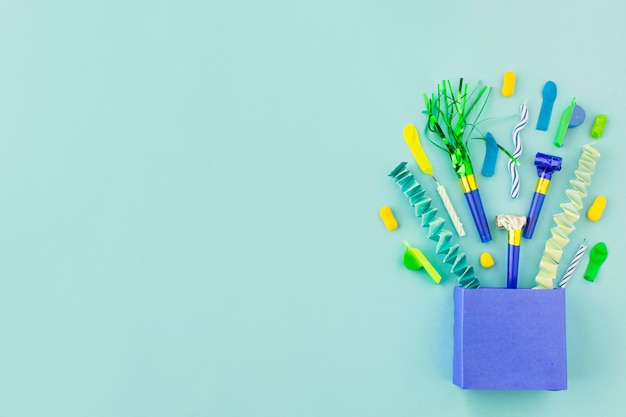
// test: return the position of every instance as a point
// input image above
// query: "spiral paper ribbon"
(414, 191)
(517, 142)
(565, 220)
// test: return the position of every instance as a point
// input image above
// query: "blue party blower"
(546, 166)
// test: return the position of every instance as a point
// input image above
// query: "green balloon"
(597, 256)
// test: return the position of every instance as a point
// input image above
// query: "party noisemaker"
(546, 165)
(513, 225)
(448, 116)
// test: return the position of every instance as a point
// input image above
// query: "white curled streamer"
(565, 220)
(517, 142)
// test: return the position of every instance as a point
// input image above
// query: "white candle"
(450, 209)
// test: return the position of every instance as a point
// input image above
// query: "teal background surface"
(190, 225)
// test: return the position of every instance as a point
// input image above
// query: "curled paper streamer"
(517, 142)
(414, 191)
(565, 220)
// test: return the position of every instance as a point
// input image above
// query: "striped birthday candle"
(572, 266)
(517, 142)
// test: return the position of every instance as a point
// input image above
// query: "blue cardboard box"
(509, 339)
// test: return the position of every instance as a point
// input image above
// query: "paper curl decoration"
(416, 194)
(565, 220)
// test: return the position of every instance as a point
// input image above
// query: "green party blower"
(448, 116)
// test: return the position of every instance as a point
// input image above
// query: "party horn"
(546, 165)
(470, 189)
(449, 114)
(513, 224)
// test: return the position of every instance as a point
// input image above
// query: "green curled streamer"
(414, 191)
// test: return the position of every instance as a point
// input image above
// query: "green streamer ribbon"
(448, 118)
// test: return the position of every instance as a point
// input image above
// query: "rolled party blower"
(451, 112)
(546, 165)
(513, 224)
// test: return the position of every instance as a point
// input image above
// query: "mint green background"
(190, 191)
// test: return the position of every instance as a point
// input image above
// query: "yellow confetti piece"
(508, 86)
(388, 218)
(486, 260)
(597, 208)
